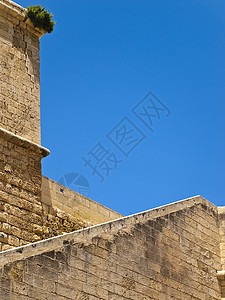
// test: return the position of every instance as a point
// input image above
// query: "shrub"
(40, 17)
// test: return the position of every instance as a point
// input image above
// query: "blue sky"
(101, 60)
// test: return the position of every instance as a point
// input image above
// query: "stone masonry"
(57, 244)
(19, 73)
(172, 252)
(32, 207)
(27, 213)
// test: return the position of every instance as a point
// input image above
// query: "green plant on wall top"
(40, 17)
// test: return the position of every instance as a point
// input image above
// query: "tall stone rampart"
(19, 73)
(20, 149)
(32, 207)
(176, 251)
(171, 252)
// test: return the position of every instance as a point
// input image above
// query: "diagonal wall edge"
(171, 252)
(110, 227)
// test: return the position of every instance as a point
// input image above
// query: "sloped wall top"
(108, 228)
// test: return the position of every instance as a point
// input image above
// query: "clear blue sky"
(99, 63)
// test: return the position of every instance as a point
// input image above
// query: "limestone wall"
(173, 252)
(221, 274)
(29, 210)
(20, 190)
(19, 73)
(167, 253)
(75, 204)
(24, 217)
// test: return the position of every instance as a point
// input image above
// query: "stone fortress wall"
(70, 202)
(19, 73)
(172, 252)
(32, 207)
(57, 244)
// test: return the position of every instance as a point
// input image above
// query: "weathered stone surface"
(172, 252)
(24, 217)
(31, 206)
(19, 73)
(73, 204)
